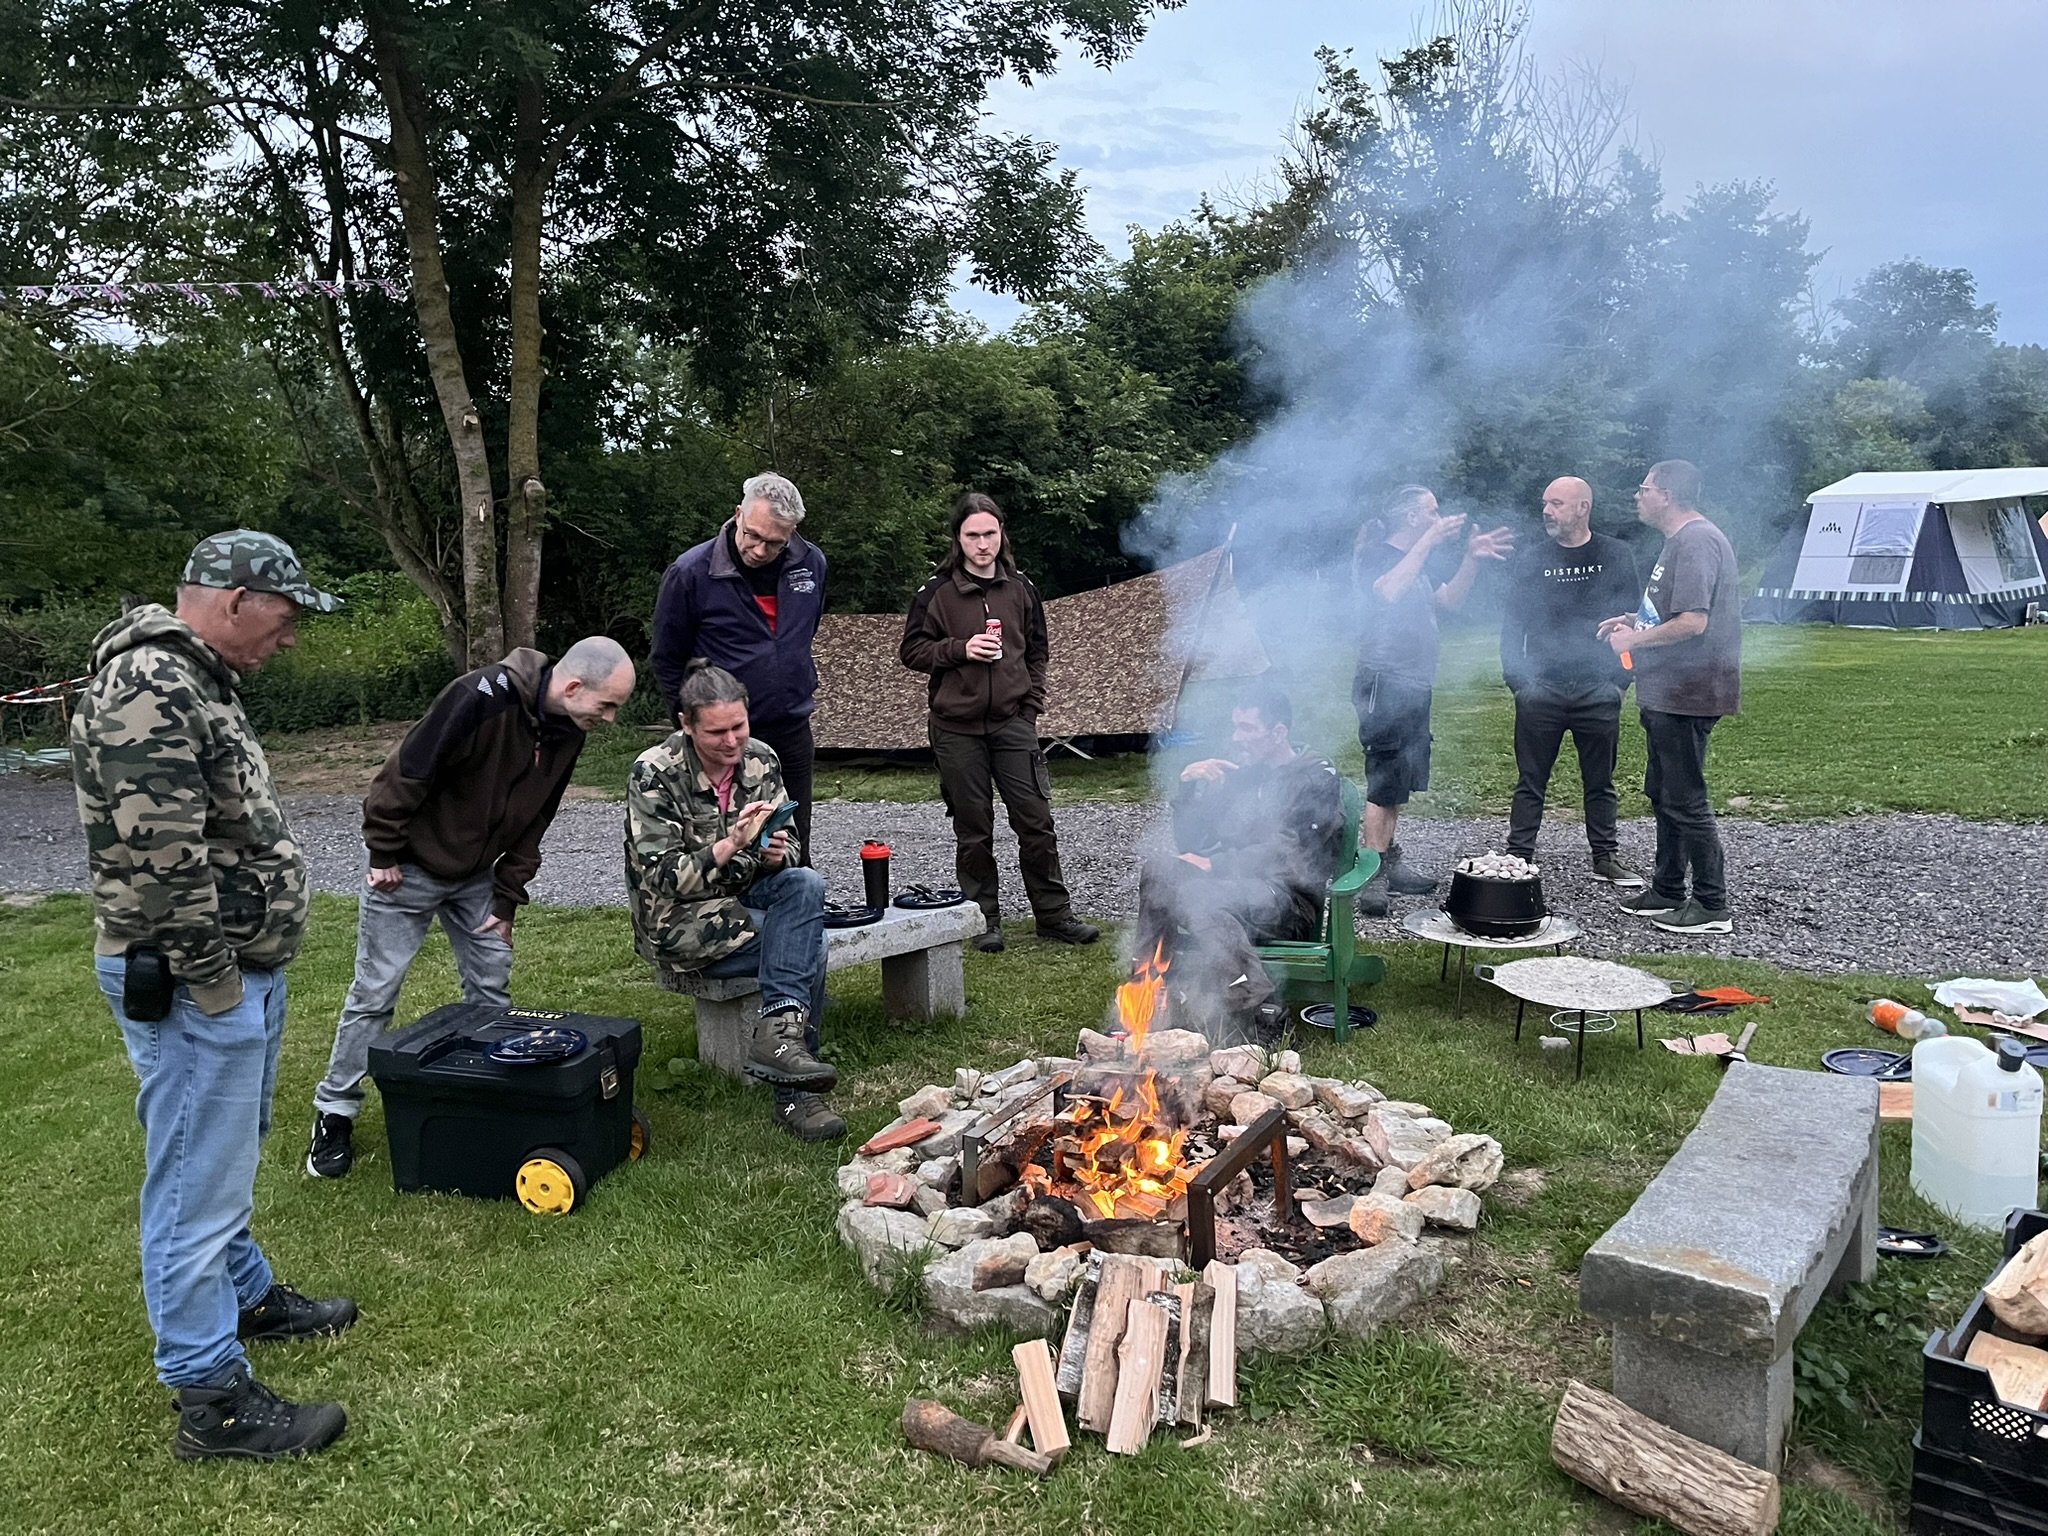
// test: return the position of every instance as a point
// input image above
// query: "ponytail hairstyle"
(967, 506)
(1392, 516)
(705, 685)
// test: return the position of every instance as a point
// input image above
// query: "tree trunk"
(412, 169)
(526, 507)
(1653, 1470)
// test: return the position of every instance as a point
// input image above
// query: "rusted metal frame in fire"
(1269, 1130)
(977, 1135)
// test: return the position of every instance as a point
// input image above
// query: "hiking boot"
(284, 1314)
(242, 1417)
(1068, 930)
(1694, 918)
(990, 943)
(1402, 878)
(1372, 896)
(1610, 869)
(1647, 903)
(333, 1151)
(809, 1118)
(781, 1054)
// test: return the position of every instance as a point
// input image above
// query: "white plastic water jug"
(1976, 1128)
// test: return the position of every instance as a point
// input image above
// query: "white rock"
(1287, 1061)
(1296, 1147)
(932, 1101)
(1275, 1315)
(1321, 1132)
(1376, 1219)
(1053, 1066)
(1246, 1063)
(1341, 1099)
(1268, 1261)
(966, 1083)
(895, 1160)
(1433, 1125)
(884, 1239)
(1221, 1090)
(1407, 1107)
(1466, 1162)
(1288, 1088)
(1363, 1290)
(1001, 1261)
(1445, 1206)
(955, 1306)
(928, 1201)
(852, 1179)
(1397, 1139)
(1391, 1182)
(945, 1141)
(1247, 1107)
(1328, 1213)
(958, 1225)
(1023, 1072)
(1052, 1276)
(938, 1171)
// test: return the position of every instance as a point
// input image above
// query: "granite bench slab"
(923, 976)
(1769, 1205)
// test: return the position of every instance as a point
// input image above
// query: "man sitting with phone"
(715, 887)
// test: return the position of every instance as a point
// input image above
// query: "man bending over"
(1257, 838)
(709, 897)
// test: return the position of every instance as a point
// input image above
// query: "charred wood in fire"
(1053, 1222)
(1135, 1236)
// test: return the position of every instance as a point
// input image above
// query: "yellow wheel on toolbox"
(640, 1139)
(550, 1183)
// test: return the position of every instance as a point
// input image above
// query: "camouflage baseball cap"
(262, 562)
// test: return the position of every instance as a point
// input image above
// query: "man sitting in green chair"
(1257, 837)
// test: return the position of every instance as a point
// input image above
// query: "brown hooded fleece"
(974, 697)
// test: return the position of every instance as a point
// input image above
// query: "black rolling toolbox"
(466, 1120)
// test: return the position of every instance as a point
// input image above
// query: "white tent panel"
(1946, 486)
(1863, 546)
(1994, 547)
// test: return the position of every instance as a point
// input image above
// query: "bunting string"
(205, 293)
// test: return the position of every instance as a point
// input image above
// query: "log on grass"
(1653, 1470)
(1041, 1398)
(936, 1428)
(1222, 1280)
(1140, 1354)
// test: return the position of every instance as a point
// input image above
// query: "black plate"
(1869, 1061)
(534, 1047)
(1897, 1243)
(922, 898)
(1324, 1016)
(841, 915)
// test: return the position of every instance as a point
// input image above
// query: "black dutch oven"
(1496, 909)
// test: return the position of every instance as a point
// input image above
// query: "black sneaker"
(1610, 869)
(781, 1054)
(1372, 896)
(1068, 930)
(1402, 879)
(1694, 918)
(809, 1118)
(333, 1151)
(242, 1417)
(990, 943)
(284, 1314)
(1647, 903)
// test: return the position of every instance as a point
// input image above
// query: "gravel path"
(1928, 895)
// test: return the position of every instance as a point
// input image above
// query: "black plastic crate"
(463, 1123)
(1960, 1416)
(1953, 1496)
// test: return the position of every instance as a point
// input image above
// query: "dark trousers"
(1542, 717)
(1210, 926)
(791, 741)
(972, 771)
(1676, 782)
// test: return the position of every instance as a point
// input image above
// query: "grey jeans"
(389, 933)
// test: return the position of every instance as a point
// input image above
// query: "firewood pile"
(2018, 1297)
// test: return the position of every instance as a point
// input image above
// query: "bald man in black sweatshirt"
(1563, 676)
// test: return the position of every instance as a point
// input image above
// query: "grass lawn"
(693, 1351)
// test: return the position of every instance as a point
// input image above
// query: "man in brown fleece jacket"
(454, 821)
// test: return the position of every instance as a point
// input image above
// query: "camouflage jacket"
(687, 912)
(186, 837)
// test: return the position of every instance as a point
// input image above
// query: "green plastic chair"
(1326, 971)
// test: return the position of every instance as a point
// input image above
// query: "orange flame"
(1129, 1164)
(1138, 1000)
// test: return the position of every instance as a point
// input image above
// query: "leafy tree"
(765, 185)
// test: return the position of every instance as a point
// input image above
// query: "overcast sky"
(1899, 127)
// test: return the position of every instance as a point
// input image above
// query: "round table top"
(1430, 923)
(1572, 981)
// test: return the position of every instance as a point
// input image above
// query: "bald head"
(592, 679)
(1568, 510)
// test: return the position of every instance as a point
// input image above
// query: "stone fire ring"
(978, 1266)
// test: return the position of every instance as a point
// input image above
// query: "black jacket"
(707, 609)
(1281, 826)
(1554, 601)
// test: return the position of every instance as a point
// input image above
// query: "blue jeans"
(788, 949)
(205, 1109)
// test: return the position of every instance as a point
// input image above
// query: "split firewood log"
(2018, 1293)
(1653, 1470)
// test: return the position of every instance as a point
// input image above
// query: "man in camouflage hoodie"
(707, 896)
(200, 901)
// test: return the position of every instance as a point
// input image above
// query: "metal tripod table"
(1573, 984)
(1433, 925)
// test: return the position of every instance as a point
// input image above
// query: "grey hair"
(785, 503)
(593, 661)
(705, 685)
(1404, 501)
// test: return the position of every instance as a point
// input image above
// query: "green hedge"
(379, 658)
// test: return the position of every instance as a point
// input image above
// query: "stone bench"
(1769, 1205)
(923, 975)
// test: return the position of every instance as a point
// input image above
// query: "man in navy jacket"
(748, 599)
